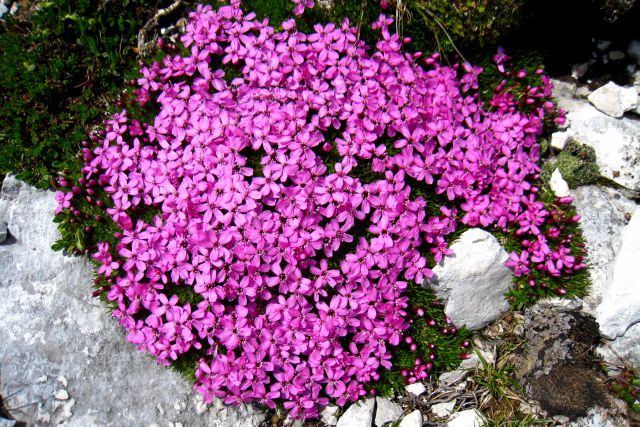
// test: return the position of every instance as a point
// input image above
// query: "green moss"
(58, 71)
(437, 343)
(577, 164)
(449, 25)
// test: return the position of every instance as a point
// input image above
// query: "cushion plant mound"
(270, 223)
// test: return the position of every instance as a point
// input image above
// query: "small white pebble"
(62, 395)
(416, 389)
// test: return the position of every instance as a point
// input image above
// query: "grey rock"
(52, 328)
(616, 55)
(555, 364)
(3, 231)
(414, 419)
(579, 70)
(603, 44)
(386, 411)
(615, 141)
(359, 414)
(562, 88)
(620, 307)
(4, 422)
(472, 282)
(614, 100)
(466, 367)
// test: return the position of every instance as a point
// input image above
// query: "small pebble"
(416, 389)
(62, 395)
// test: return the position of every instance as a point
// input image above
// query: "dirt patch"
(557, 366)
(568, 390)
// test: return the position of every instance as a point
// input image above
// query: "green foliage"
(523, 293)
(436, 339)
(627, 386)
(577, 164)
(496, 378)
(58, 71)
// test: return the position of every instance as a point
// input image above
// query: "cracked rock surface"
(63, 358)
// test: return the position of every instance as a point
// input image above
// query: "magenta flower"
(297, 269)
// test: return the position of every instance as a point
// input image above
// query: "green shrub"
(59, 68)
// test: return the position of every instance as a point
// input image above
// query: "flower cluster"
(298, 265)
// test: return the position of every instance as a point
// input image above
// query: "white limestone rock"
(468, 418)
(444, 409)
(359, 414)
(416, 389)
(615, 141)
(624, 350)
(414, 419)
(558, 185)
(559, 140)
(614, 100)
(603, 213)
(328, 415)
(472, 282)
(386, 411)
(620, 307)
(51, 326)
